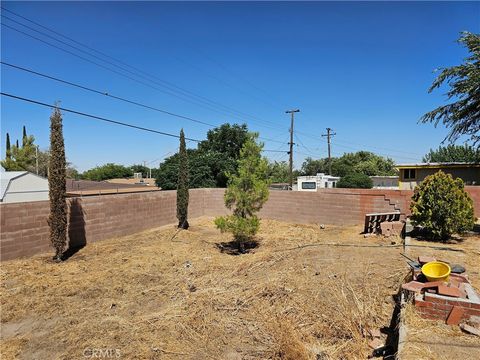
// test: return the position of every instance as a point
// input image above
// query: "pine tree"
(57, 185)
(8, 152)
(24, 137)
(246, 193)
(182, 185)
(16, 144)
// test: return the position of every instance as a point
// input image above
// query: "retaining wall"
(25, 232)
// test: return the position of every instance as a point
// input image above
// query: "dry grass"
(155, 295)
(435, 340)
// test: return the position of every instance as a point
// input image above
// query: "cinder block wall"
(25, 232)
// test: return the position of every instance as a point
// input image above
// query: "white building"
(319, 181)
(22, 186)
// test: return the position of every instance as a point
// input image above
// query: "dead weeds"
(167, 295)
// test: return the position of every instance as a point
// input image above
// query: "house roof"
(438, 165)
(5, 178)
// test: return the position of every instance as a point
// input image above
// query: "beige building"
(412, 174)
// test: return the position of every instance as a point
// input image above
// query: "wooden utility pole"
(329, 134)
(292, 112)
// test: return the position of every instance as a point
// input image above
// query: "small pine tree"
(57, 186)
(8, 151)
(442, 207)
(246, 193)
(182, 185)
(24, 137)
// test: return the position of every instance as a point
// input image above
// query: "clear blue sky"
(362, 69)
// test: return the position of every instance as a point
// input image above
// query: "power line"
(172, 87)
(94, 116)
(86, 88)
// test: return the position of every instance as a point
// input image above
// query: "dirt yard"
(302, 294)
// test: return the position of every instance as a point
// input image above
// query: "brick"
(449, 291)
(455, 315)
(414, 286)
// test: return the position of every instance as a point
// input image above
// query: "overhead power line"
(174, 90)
(116, 122)
(86, 88)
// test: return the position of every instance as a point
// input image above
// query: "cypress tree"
(16, 144)
(182, 185)
(24, 137)
(57, 186)
(8, 152)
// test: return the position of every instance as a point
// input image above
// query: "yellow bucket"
(436, 271)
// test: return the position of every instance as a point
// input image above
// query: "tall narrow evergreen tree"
(182, 185)
(16, 144)
(24, 137)
(8, 151)
(57, 186)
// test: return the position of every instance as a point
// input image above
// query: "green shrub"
(356, 180)
(442, 207)
(246, 193)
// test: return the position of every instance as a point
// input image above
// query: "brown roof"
(88, 187)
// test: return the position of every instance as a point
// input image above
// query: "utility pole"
(292, 113)
(329, 134)
(36, 159)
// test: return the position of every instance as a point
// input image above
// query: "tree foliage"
(462, 116)
(210, 162)
(21, 158)
(355, 181)
(57, 219)
(107, 171)
(182, 185)
(278, 172)
(246, 193)
(361, 162)
(8, 149)
(226, 139)
(442, 207)
(453, 153)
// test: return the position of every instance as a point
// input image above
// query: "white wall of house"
(25, 188)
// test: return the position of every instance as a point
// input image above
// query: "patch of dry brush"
(157, 295)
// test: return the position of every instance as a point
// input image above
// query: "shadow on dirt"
(236, 248)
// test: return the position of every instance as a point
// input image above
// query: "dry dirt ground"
(167, 295)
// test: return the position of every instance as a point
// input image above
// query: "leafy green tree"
(363, 162)
(106, 172)
(453, 153)
(312, 167)
(8, 150)
(355, 181)
(463, 114)
(246, 193)
(442, 207)
(210, 162)
(226, 139)
(182, 185)
(21, 159)
(279, 172)
(57, 219)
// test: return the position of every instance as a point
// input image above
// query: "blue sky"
(362, 69)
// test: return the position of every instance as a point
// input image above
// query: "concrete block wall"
(25, 232)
